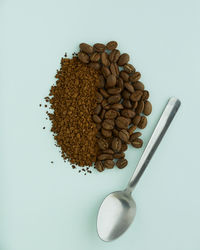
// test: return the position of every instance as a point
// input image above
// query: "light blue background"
(47, 207)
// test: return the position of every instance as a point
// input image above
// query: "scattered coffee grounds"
(40, 105)
(73, 166)
(43, 127)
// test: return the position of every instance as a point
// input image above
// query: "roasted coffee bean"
(119, 155)
(136, 96)
(102, 114)
(140, 107)
(111, 81)
(105, 71)
(136, 119)
(104, 93)
(117, 106)
(134, 136)
(120, 83)
(98, 126)
(111, 114)
(132, 129)
(123, 59)
(103, 144)
(99, 97)
(143, 122)
(104, 103)
(108, 124)
(145, 95)
(97, 110)
(122, 122)
(147, 108)
(137, 143)
(96, 119)
(126, 94)
(135, 77)
(114, 99)
(94, 65)
(101, 82)
(99, 166)
(116, 144)
(86, 48)
(128, 113)
(129, 87)
(95, 57)
(99, 47)
(114, 69)
(135, 104)
(107, 107)
(83, 57)
(114, 91)
(106, 133)
(104, 59)
(115, 132)
(127, 104)
(108, 151)
(124, 135)
(138, 85)
(114, 55)
(111, 45)
(103, 157)
(124, 75)
(121, 163)
(129, 68)
(109, 164)
(124, 147)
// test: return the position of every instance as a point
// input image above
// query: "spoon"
(118, 209)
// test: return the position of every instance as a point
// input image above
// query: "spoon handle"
(161, 127)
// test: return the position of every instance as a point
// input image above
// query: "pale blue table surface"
(48, 206)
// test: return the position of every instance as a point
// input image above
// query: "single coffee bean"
(123, 59)
(101, 82)
(132, 129)
(129, 87)
(111, 81)
(138, 85)
(104, 103)
(116, 144)
(107, 107)
(102, 114)
(126, 94)
(104, 59)
(111, 114)
(135, 104)
(147, 108)
(143, 122)
(135, 77)
(96, 119)
(109, 164)
(99, 47)
(99, 166)
(83, 57)
(108, 151)
(114, 55)
(120, 83)
(129, 68)
(114, 91)
(114, 69)
(106, 133)
(124, 75)
(98, 126)
(128, 113)
(140, 107)
(122, 122)
(117, 106)
(97, 110)
(124, 135)
(111, 45)
(86, 48)
(136, 119)
(105, 71)
(108, 124)
(99, 97)
(121, 163)
(127, 104)
(103, 157)
(94, 65)
(137, 143)
(103, 144)
(124, 147)
(104, 93)
(114, 99)
(115, 132)
(134, 136)
(95, 57)
(145, 95)
(136, 96)
(119, 155)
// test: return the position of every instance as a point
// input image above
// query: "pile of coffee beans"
(122, 103)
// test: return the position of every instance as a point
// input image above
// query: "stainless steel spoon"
(118, 209)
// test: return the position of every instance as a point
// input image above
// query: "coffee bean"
(135, 77)
(109, 164)
(104, 59)
(104, 103)
(99, 166)
(123, 59)
(99, 97)
(121, 163)
(114, 91)
(103, 144)
(117, 106)
(83, 57)
(107, 107)
(86, 48)
(114, 99)
(124, 135)
(108, 151)
(127, 104)
(111, 81)
(145, 95)
(147, 108)
(143, 122)
(102, 114)
(105, 71)
(126, 94)
(129, 68)
(99, 47)
(136, 119)
(115, 132)
(124, 75)
(97, 110)
(106, 133)
(95, 57)
(94, 65)
(104, 93)
(134, 136)
(137, 143)
(119, 155)
(96, 119)
(138, 85)
(124, 147)
(116, 144)
(128, 113)
(122, 122)
(111, 45)
(136, 96)
(111, 114)
(108, 124)
(103, 157)
(132, 129)
(114, 55)
(129, 87)
(140, 107)
(120, 83)
(101, 82)
(135, 104)
(114, 69)
(98, 126)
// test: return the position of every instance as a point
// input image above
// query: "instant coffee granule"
(73, 100)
